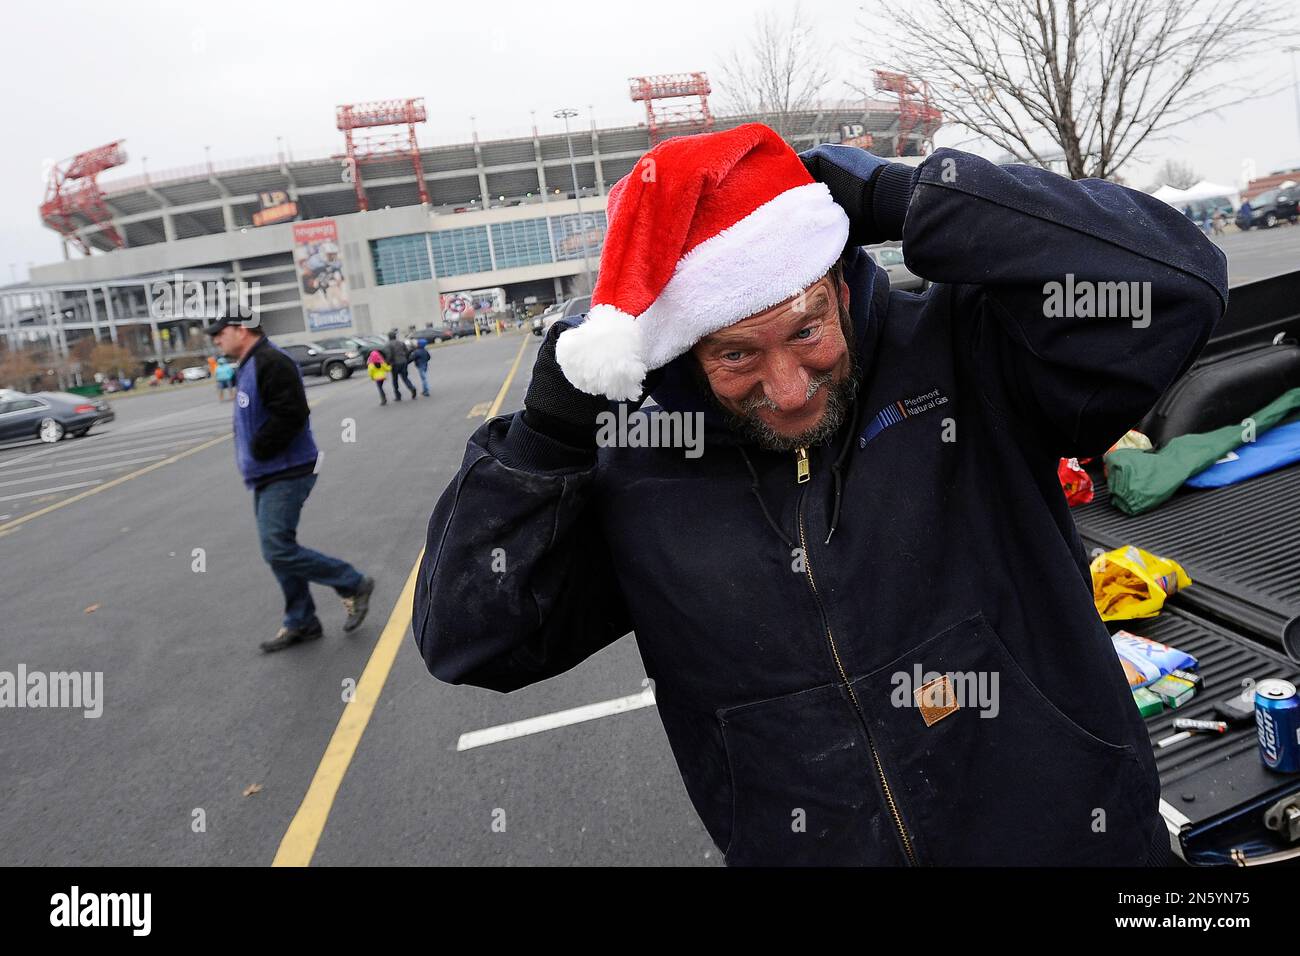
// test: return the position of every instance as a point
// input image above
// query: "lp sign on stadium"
(320, 274)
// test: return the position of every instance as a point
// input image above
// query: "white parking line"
(81, 471)
(561, 718)
(114, 450)
(106, 455)
(50, 491)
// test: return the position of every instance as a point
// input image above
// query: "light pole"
(566, 115)
(1295, 84)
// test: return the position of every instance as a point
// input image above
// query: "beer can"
(1277, 720)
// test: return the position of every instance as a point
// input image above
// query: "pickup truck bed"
(1241, 547)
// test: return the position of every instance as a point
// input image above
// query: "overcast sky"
(171, 78)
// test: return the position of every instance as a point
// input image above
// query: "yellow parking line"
(299, 843)
(505, 386)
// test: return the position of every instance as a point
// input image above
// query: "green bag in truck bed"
(1140, 480)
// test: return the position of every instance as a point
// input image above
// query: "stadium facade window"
(522, 243)
(401, 259)
(567, 231)
(458, 251)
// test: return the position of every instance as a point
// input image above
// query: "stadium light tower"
(566, 115)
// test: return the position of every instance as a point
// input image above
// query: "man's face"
(785, 376)
(234, 341)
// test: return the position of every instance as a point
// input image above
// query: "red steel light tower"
(74, 189)
(913, 114)
(384, 144)
(674, 103)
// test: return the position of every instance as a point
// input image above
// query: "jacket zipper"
(802, 476)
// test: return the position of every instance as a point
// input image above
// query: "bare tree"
(779, 71)
(1085, 83)
(1177, 174)
(19, 370)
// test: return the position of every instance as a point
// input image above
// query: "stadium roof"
(221, 197)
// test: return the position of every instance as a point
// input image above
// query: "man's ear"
(844, 292)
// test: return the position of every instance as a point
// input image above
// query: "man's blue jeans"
(277, 507)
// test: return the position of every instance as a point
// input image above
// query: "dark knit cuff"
(890, 197)
(530, 449)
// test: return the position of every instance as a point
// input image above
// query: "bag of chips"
(1075, 482)
(1130, 583)
(1146, 661)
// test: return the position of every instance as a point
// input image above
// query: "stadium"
(382, 234)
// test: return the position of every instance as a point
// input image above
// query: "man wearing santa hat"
(865, 607)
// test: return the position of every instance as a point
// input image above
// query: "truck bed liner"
(1241, 546)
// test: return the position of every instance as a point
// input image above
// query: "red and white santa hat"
(703, 232)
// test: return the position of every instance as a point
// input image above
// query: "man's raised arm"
(1077, 302)
(517, 583)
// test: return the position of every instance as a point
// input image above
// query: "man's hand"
(552, 405)
(873, 191)
(555, 407)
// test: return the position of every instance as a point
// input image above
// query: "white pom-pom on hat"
(603, 355)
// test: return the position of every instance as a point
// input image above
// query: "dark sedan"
(49, 416)
(432, 335)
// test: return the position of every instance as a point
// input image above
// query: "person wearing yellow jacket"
(378, 370)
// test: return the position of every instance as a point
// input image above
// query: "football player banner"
(320, 274)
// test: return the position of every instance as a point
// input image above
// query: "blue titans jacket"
(794, 631)
(273, 438)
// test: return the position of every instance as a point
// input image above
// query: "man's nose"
(786, 384)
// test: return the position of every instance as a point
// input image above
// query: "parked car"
(348, 343)
(1269, 208)
(540, 325)
(571, 309)
(901, 278)
(433, 335)
(49, 416)
(195, 373)
(315, 359)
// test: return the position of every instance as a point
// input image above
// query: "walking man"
(278, 458)
(398, 357)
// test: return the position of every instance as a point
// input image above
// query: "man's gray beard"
(839, 403)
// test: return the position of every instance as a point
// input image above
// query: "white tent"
(1169, 194)
(1207, 190)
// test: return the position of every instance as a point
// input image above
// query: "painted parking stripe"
(50, 491)
(81, 471)
(561, 718)
(115, 453)
(298, 845)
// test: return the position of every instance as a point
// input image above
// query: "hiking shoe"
(289, 636)
(358, 604)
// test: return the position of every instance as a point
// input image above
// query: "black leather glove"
(558, 409)
(873, 191)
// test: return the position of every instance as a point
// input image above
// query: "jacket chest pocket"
(803, 791)
(989, 772)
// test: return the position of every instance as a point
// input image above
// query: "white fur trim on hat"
(603, 355)
(775, 252)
